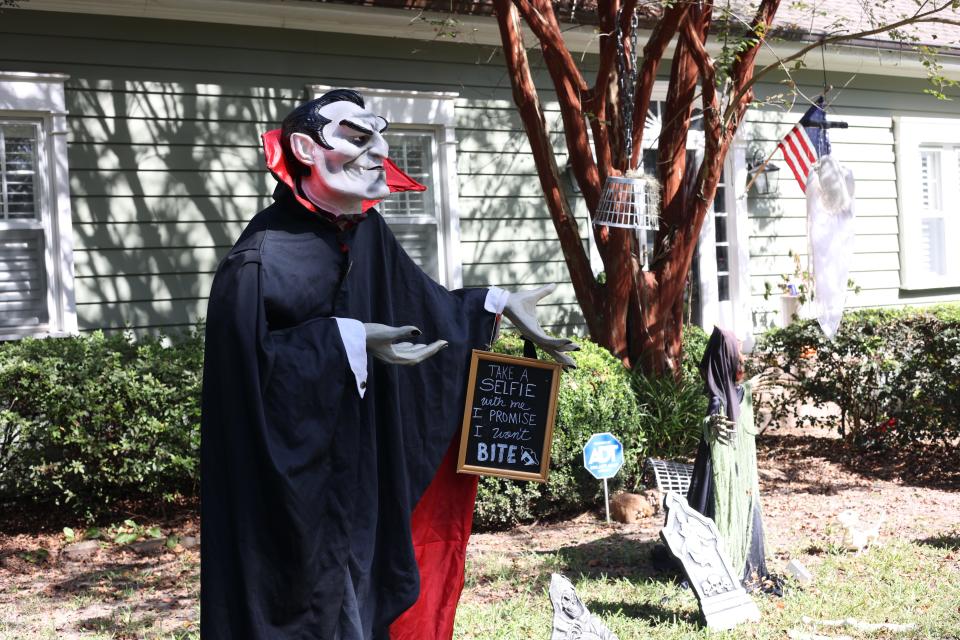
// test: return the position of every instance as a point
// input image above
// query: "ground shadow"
(950, 541)
(654, 613)
(615, 556)
(931, 467)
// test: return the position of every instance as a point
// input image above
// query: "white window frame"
(432, 111)
(734, 313)
(913, 134)
(40, 98)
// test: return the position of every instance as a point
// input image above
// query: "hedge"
(90, 420)
(894, 374)
(86, 421)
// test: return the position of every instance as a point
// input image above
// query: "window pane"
(720, 224)
(723, 288)
(722, 261)
(23, 285)
(413, 153)
(720, 200)
(18, 169)
(932, 250)
(930, 179)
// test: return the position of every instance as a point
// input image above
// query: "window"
(722, 242)
(412, 215)
(928, 168)
(423, 144)
(36, 246)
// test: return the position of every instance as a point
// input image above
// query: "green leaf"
(125, 538)
(69, 534)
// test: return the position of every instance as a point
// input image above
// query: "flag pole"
(763, 166)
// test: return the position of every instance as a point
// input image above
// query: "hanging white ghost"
(830, 213)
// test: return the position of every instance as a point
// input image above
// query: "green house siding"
(164, 125)
(165, 165)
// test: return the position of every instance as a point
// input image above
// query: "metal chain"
(627, 81)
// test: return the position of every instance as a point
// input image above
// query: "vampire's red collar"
(397, 180)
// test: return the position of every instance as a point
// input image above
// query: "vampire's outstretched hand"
(521, 310)
(380, 343)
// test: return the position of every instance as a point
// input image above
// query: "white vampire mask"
(351, 171)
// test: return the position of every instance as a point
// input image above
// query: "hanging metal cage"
(630, 202)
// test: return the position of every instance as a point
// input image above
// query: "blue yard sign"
(603, 457)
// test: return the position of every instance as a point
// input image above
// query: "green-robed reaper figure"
(725, 484)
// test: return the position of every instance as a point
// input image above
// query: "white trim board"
(40, 97)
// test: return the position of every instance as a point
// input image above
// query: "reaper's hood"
(397, 180)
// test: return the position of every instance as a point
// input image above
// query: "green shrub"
(671, 410)
(694, 344)
(672, 413)
(594, 397)
(90, 419)
(894, 374)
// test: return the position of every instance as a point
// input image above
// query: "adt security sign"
(603, 455)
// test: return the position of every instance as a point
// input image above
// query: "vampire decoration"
(319, 464)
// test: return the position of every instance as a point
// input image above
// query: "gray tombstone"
(571, 620)
(695, 541)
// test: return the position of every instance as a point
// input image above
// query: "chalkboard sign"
(508, 417)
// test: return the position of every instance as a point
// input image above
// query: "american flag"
(806, 142)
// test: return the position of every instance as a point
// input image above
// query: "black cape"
(307, 489)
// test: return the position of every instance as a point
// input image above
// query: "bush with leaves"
(672, 410)
(893, 374)
(594, 397)
(88, 420)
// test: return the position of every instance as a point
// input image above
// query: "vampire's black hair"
(307, 119)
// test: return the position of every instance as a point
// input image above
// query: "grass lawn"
(901, 581)
(912, 577)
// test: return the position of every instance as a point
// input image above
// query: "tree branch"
(531, 112)
(543, 22)
(842, 37)
(653, 51)
(607, 12)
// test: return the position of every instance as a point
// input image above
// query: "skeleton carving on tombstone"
(571, 620)
(324, 463)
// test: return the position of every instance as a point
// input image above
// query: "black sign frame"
(479, 357)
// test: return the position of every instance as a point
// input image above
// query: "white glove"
(380, 343)
(521, 310)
